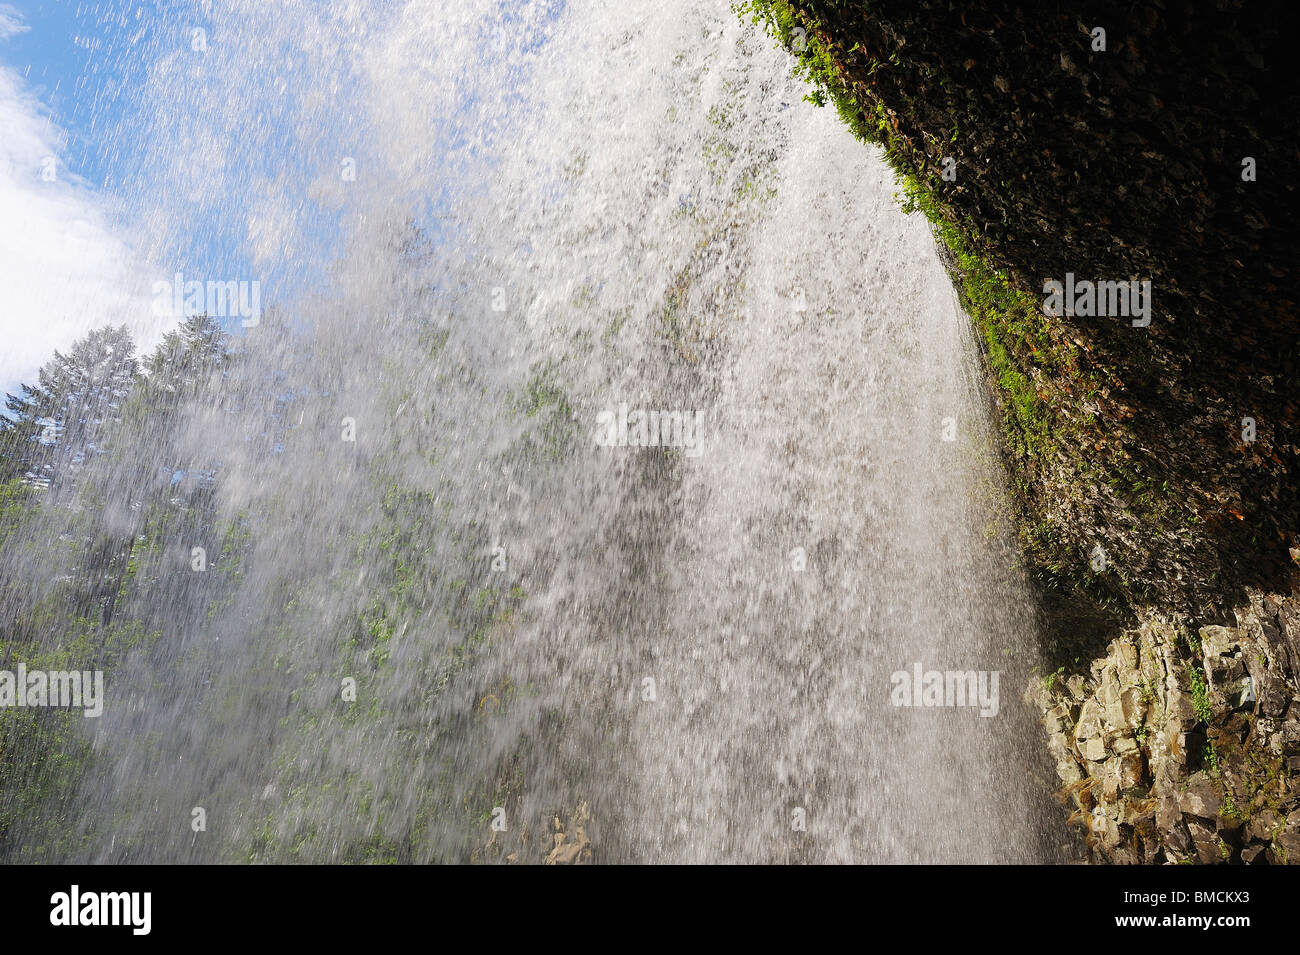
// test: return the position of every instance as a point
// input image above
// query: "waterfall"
(608, 443)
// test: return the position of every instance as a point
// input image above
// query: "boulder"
(1202, 797)
(1274, 696)
(1205, 841)
(571, 845)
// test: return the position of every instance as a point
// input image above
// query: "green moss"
(545, 400)
(1210, 759)
(1200, 693)
(1051, 389)
(1230, 808)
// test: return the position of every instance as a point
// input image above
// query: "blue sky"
(74, 81)
(70, 75)
(61, 56)
(222, 165)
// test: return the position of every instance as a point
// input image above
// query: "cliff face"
(1153, 452)
(1184, 746)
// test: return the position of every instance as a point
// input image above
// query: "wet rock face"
(1155, 466)
(570, 844)
(1119, 163)
(1184, 745)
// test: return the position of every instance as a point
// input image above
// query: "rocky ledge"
(1184, 745)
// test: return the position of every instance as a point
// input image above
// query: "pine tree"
(186, 358)
(63, 422)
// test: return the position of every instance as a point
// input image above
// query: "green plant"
(1210, 757)
(1148, 691)
(1230, 808)
(1200, 693)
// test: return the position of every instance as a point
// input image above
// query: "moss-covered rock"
(1115, 164)
(1154, 466)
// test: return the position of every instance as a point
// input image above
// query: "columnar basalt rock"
(1182, 745)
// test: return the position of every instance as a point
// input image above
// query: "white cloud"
(11, 22)
(65, 267)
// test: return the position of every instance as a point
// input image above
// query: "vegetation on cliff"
(1111, 156)
(1154, 464)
